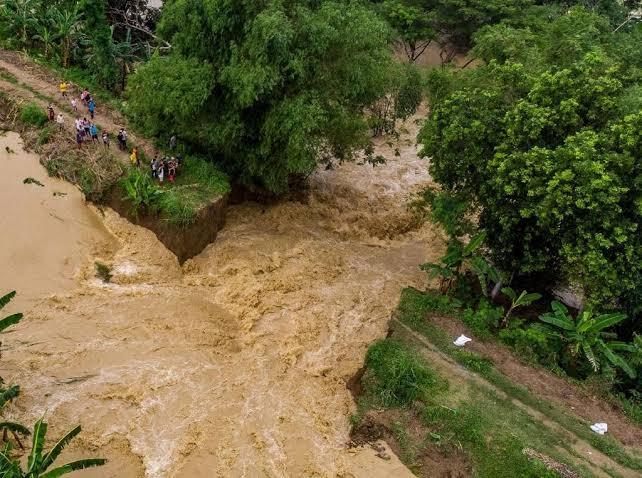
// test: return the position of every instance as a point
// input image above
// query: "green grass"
(490, 430)
(398, 375)
(494, 432)
(33, 115)
(197, 185)
(412, 311)
(45, 134)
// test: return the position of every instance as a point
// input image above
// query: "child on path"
(93, 130)
(134, 157)
(92, 107)
(86, 127)
(50, 112)
(160, 171)
(106, 139)
(63, 88)
(74, 104)
(60, 120)
(153, 165)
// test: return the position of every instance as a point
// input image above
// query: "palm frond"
(74, 466)
(474, 244)
(8, 394)
(558, 321)
(5, 299)
(15, 428)
(9, 321)
(590, 356)
(35, 457)
(58, 447)
(606, 320)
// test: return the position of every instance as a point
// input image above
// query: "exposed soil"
(575, 399)
(184, 241)
(429, 461)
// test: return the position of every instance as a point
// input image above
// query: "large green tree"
(545, 146)
(267, 88)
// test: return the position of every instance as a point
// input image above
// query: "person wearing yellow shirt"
(134, 157)
(63, 88)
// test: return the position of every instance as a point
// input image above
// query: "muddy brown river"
(234, 365)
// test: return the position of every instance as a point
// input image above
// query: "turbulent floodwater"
(235, 364)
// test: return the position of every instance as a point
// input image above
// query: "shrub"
(398, 375)
(34, 115)
(532, 343)
(140, 190)
(483, 320)
(45, 135)
(103, 271)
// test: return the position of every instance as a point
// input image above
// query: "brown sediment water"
(236, 363)
(47, 231)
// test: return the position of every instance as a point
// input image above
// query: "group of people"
(88, 131)
(166, 167)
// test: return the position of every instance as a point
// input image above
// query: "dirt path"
(456, 373)
(38, 84)
(577, 400)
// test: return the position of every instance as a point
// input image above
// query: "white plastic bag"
(462, 340)
(600, 428)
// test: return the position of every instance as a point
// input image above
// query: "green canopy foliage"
(266, 88)
(544, 143)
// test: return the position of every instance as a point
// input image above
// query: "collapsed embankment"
(185, 241)
(96, 171)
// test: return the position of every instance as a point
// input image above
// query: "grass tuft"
(33, 115)
(103, 271)
(399, 377)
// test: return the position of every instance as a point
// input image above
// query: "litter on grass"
(600, 428)
(462, 340)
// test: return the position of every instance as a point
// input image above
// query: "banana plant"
(8, 393)
(39, 461)
(11, 319)
(524, 299)
(449, 268)
(586, 336)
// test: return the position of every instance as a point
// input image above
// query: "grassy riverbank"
(445, 408)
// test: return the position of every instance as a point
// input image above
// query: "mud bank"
(184, 241)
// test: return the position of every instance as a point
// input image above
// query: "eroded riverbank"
(236, 363)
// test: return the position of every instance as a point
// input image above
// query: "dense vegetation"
(103, 38)
(270, 88)
(538, 148)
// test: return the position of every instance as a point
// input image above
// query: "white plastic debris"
(600, 428)
(462, 340)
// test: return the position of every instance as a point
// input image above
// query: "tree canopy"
(266, 88)
(544, 142)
